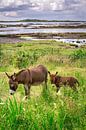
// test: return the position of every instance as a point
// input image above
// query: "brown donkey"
(59, 81)
(28, 77)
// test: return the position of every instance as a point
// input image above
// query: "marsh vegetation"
(45, 109)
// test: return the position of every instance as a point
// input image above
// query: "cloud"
(48, 4)
(42, 4)
(11, 14)
(28, 8)
(13, 8)
(4, 3)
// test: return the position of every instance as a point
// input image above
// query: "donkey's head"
(52, 77)
(13, 83)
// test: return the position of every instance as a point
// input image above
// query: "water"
(78, 42)
(22, 30)
(29, 27)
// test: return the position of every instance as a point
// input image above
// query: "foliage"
(78, 54)
(45, 109)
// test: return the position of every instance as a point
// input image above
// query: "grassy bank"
(44, 110)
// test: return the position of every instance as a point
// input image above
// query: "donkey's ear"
(8, 75)
(14, 76)
(48, 72)
(56, 73)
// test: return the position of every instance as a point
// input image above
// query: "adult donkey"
(28, 77)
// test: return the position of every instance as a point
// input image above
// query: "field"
(45, 109)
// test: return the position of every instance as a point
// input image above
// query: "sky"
(43, 9)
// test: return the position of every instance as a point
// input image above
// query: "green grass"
(45, 109)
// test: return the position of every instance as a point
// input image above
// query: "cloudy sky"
(43, 9)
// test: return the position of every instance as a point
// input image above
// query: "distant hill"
(38, 20)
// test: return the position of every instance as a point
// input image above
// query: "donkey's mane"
(20, 72)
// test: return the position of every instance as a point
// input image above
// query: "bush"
(25, 59)
(78, 54)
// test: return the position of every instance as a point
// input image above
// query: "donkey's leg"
(27, 90)
(46, 80)
(46, 83)
(57, 88)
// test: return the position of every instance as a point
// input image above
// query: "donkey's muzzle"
(11, 92)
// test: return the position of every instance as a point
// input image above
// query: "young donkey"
(28, 77)
(58, 81)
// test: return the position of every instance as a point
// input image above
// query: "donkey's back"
(39, 74)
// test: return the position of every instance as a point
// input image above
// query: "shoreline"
(68, 35)
(18, 38)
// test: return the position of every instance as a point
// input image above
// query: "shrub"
(25, 59)
(78, 54)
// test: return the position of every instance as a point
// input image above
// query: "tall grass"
(79, 54)
(45, 110)
(10, 112)
(79, 57)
